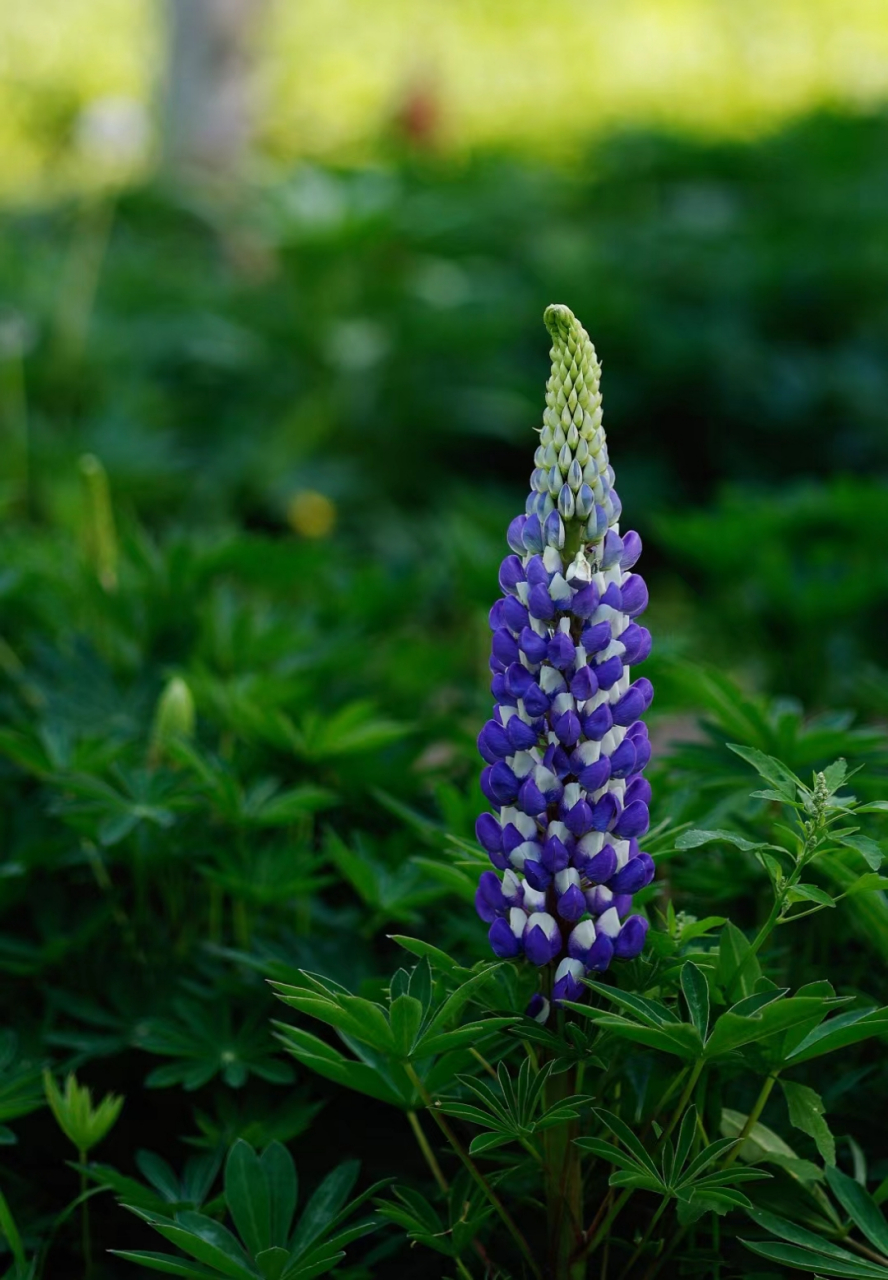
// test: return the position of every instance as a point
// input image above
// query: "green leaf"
(280, 1175)
(82, 1123)
(333, 1065)
(324, 1205)
(166, 1263)
(867, 848)
(488, 1141)
(738, 970)
(774, 771)
(454, 1004)
(834, 774)
(816, 1263)
(806, 1113)
(694, 839)
(839, 1032)
(696, 993)
(437, 958)
(795, 1234)
(811, 893)
(11, 1233)
(207, 1241)
(246, 1194)
(866, 883)
(860, 1207)
(272, 1262)
(621, 1130)
(469, 1034)
(406, 1018)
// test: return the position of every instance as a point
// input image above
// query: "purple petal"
(534, 647)
(613, 597)
(540, 604)
(489, 833)
(585, 602)
(636, 874)
(568, 728)
(514, 614)
(609, 672)
(623, 759)
(537, 573)
(600, 954)
(562, 651)
(503, 783)
(510, 574)
(518, 680)
(578, 820)
(503, 941)
(536, 874)
(584, 684)
(495, 617)
(595, 775)
(513, 534)
(638, 789)
(556, 856)
(505, 646)
(599, 869)
(571, 904)
(630, 939)
(493, 743)
(604, 812)
(631, 549)
(530, 799)
(596, 637)
(633, 821)
(635, 595)
(598, 722)
(536, 703)
(532, 534)
(522, 736)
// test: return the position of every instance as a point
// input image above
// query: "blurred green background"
(280, 268)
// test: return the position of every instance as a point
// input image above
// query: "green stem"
(84, 1220)
(463, 1269)
(564, 1185)
(752, 1118)
(645, 1238)
(683, 1101)
(425, 1148)
(474, 1171)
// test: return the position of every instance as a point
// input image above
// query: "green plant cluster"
(244, 579)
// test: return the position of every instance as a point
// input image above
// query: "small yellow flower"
(311, 514)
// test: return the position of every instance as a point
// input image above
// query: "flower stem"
(475, 1172)
(752, 1118)
(84, 1220)
(428, 1153)
(564, 1185)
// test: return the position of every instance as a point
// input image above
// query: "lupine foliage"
(233, 753)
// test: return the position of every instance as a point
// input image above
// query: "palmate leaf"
(806, 1113)
(261, 1194)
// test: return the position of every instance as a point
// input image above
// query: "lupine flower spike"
(565, 749)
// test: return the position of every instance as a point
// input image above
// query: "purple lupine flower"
(564, 749)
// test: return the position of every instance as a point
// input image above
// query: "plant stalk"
(428, 1153)
(475, 1172)
(564, 1185)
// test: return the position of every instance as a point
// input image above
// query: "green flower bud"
(174, 717)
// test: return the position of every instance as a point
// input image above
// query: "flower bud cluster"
(565, 748)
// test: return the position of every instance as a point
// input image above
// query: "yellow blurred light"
(311, 514)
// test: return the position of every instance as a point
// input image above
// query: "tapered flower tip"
(562, 323)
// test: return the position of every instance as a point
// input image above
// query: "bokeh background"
(272, 276)
(254, 248)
